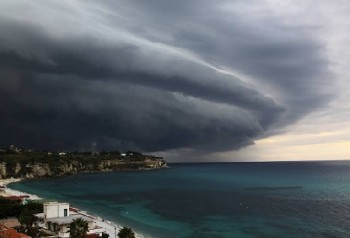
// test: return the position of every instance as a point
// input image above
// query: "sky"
(199, 80)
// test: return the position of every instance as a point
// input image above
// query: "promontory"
(20, 163)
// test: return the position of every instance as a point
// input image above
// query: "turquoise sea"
(217, 200)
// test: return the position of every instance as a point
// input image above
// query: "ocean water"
(220, 200)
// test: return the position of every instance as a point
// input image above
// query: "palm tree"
(78, 228)
(104, 235)
(126, 232)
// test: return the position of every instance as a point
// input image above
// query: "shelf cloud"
(154, 75)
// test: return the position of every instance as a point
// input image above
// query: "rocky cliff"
(57, 166)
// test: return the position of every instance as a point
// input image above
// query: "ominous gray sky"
(200, 76)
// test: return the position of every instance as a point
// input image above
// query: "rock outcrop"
(60, 167)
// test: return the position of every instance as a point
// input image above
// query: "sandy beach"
(11, 192)
(110, 227)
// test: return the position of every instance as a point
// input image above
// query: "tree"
(34, 232)
(104, 235)
(27, 219)
(126, 232)
(78, 228)
(9, 208)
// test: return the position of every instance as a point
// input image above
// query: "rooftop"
(10, 222)
(68, 220)
(40, 215)
(11, 233)
(56, 203)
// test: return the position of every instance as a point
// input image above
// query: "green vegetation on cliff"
(31, 164)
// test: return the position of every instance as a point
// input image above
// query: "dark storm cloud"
(287, 58)
(135, 76)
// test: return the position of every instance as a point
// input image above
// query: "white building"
(55, 209)
(57, 217)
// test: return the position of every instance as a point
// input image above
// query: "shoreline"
(110, 227)
(8, 192)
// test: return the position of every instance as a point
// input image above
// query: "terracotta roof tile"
(11, 233)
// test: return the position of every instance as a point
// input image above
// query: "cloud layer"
(153, 75)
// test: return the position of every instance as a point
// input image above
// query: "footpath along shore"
(109, 227)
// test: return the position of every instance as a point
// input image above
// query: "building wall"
(55, 209)
(91, 224)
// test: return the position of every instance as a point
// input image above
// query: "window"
(65, 212)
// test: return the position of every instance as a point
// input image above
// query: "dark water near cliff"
(235, 200)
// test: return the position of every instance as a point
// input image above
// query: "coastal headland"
(20, 163)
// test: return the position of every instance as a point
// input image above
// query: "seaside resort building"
(56, 218)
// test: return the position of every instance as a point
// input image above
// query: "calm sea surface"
(231, 200)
